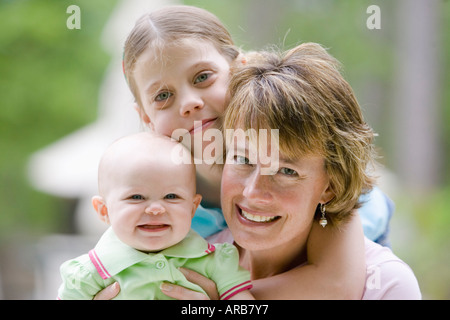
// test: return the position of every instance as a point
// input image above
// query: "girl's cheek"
(223, 102)
(159, 125)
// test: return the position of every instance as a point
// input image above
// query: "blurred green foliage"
(49, 80)
(423, 240)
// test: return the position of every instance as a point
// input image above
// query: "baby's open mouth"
(257, 218)
(153, 227)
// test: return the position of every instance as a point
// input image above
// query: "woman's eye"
(201, 78)
(288, 172)
(163, 96)
(171, 196)
(136, 197)
(241, 160)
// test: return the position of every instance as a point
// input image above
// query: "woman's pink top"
(387, 277)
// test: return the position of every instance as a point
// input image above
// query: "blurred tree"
(49, 80)
(417, 96)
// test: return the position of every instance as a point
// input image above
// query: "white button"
(160, 264)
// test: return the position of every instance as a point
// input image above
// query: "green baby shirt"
(140, 274)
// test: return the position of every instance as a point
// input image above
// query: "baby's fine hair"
(302, 93)
(142, 146)
(170, 25)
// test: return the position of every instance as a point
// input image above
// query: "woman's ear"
(144, 117)
(327, 195)
(100, 206)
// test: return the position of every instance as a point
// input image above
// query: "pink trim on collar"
(98, 265)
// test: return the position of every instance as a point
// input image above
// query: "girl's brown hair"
(303, 94)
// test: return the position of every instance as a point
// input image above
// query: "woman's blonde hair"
(171, 25)
(303, 94)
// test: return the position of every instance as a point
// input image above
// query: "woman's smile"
(247, 215)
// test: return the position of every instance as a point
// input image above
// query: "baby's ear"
(100, 206)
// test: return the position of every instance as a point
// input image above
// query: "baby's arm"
(78, 282)
(336, 267)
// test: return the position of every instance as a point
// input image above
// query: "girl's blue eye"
(288, 172)
(136, 197)
(163, 96)
(171, 196)
(201, 78)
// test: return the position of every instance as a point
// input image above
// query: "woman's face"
(269, 211)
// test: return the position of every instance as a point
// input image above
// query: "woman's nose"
(257, 187)
(155, 209)
(189, 103)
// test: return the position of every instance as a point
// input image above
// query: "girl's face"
(183, 89)
(271, 212)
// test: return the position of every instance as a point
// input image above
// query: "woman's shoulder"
(388, 277)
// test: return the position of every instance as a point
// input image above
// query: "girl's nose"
(190, 102)
(155, 209)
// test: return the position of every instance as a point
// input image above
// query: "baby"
(149, 200)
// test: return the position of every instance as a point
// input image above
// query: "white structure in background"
(68, 167)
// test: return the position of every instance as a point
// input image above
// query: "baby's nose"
(155, 209)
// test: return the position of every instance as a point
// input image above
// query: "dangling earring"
(323, 221)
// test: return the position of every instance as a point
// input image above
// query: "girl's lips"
(202, 125)
(255, 218)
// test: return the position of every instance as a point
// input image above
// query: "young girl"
(177, 62)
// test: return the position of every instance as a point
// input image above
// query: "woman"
(324, 165)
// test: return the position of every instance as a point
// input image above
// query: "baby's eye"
(288, 172)
(137, 197)
(201, 78)
(163, 96)
(171, 196)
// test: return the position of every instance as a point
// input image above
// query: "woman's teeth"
(256, 218)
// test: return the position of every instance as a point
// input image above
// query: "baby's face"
(150, 200)
(184, 89)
